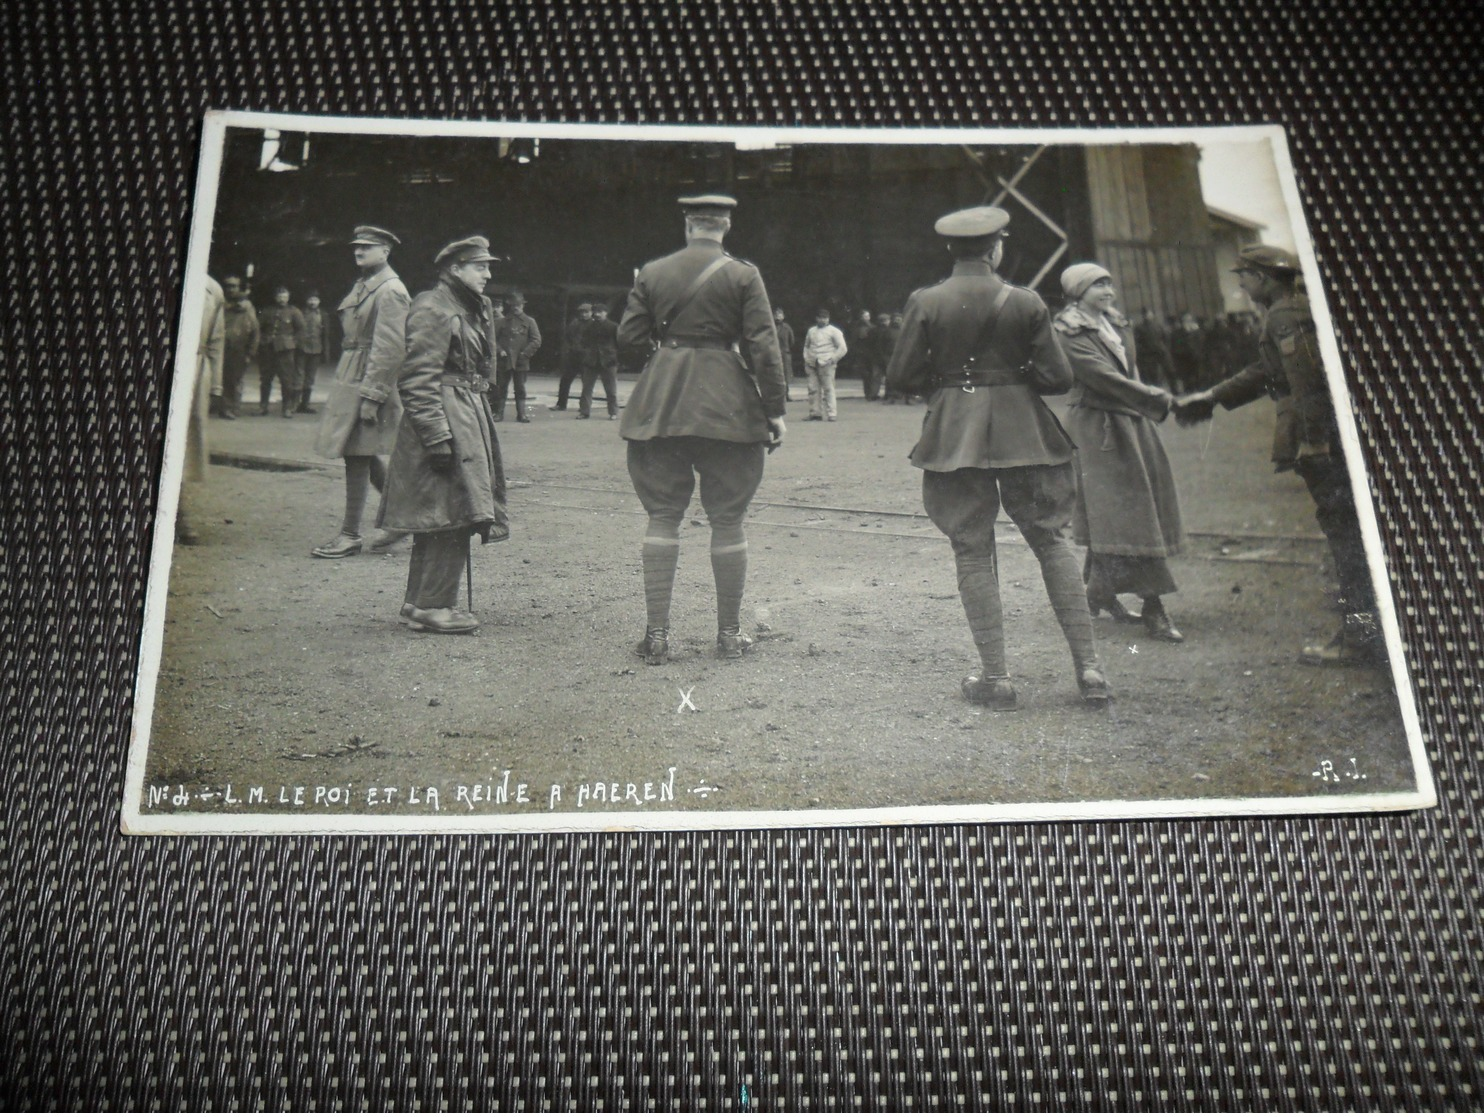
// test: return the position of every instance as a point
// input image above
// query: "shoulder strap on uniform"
(692, 291)
(986, 333)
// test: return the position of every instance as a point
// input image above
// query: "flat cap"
(980, 221)
(584, 306)
(371, 234)
(470, 250)
(1262, 257)
(717, 205)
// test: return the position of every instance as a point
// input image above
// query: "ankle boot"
(1158, 624)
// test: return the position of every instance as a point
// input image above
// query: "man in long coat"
(700, 409)
(1306, 438)
(208, 370)
(985, 353)
(362, 410)
(446, 481)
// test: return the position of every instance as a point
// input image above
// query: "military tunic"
(1306, 436)
(716, 372)
(1005, 424)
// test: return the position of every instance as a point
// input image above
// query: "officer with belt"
(984, 353)
(709, 402)
(1306, 438)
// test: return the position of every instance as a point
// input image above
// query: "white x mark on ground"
(686, 702)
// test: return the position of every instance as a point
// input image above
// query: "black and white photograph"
(573, 477)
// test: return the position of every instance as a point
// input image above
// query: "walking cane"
(469, 577)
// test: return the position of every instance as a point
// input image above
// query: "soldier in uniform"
(519, 338)
(241, 332)
(574, 356)
(1306, 438)
(280, 326)
(446, 481)
(985, 353)
(708, 403)
(314, 343)
(600, 345)
(362, 409)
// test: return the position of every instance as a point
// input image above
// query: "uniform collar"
(972, 267)
(378, 279)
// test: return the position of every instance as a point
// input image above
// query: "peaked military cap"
(371, 234)
(470, 250)
(1262, 257)
(715, 205)
(980, 221)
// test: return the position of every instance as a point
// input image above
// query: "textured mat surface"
(1275, 963)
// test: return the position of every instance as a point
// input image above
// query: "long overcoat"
(1127, 503)
(373, 321)
(443, 387)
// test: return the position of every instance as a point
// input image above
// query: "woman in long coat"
(1128, 511)
(446, 480)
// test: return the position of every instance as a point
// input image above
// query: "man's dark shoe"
(1096, 694)
(447, 622)
(995, 692)
(1358, 643)
(522, 413)
(342, 546)
(499, 414)
(732, 642)
(654, 649)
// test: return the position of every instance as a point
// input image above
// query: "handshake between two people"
(1193, 408)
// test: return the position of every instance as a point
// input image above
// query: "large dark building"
(843, 225)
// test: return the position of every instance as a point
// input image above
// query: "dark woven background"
(1275, 963)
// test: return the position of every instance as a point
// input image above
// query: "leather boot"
(997, 693)
(522, 412)
(1358, 642)
(654, 649)
(1158, 624)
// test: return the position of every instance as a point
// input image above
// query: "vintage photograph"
(534, 477)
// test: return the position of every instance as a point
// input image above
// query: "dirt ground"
(288, 687)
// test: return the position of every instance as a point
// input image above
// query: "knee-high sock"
(357, 478)
(661, 554)
(1068, 598)
(979, 590)
(729, 569)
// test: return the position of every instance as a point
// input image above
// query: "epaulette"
(739, 260)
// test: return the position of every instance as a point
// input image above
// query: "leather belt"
(474, 384)
(697, 343)
(970, 378)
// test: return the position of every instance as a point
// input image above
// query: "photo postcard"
(527, 477)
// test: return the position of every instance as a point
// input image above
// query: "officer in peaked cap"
(984, 352)
(470, 250)
(709, 402)
(362, 409)
(1263, 258)
(446, 481)
(372, 234)
(1305, 438)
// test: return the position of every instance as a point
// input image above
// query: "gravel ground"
(291, 675)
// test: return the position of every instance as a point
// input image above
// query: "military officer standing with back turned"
(700, 409)
(1306, 438)
(984, 353)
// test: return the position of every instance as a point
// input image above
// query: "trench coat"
(373, 319)
(208, 374)
(1127, 503)
(443, 387)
